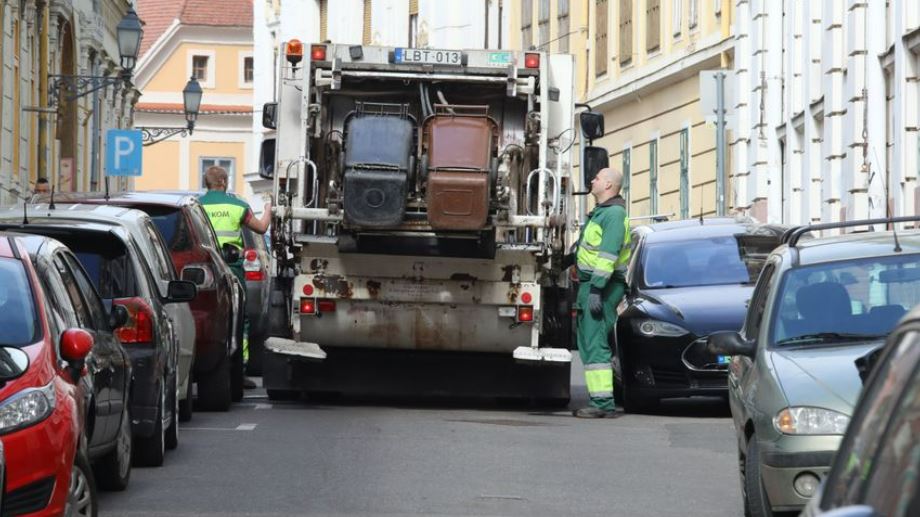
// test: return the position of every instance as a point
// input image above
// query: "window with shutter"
(562, 22)
(367, 34)
(676, 16)
(652, 25)
(526, 24)
(694, 6)
(323, 19)
(600, 39)
(543, 24)
(626, 32)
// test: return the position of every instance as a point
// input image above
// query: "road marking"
(241, 427)
(246, 427)
(263, 406)
(497, 496)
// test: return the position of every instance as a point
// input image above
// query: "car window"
(846, 482)
(732, 259)
(88, 293)
(758, 302)
(81, 310)
(18, 317)
(171, 224)
(107, 262)
(162, 265)
(203, 226)
(863, 297)
(54, 294)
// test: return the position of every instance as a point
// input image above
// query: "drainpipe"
(44, 25)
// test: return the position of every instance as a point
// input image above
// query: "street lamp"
(129, 32)
(191, 101)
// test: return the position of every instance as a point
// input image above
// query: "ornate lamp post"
(191, 100)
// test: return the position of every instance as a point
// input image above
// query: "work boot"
(249, 384)
(593, 412)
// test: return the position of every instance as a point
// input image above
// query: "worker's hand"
(594, 303)
(268, 207)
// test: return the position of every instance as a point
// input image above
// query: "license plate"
(428, 56)
(724, 359)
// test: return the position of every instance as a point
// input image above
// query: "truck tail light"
(326, 306)
(525, 314)
(318, 52)
(294, 51)
(531, 60)
(139, 328)
(308, 305)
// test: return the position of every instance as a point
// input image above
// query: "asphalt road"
(391, 458)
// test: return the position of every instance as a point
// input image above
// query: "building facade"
(213, 42)
(638, 62)
(57, 137)
(827, 112)
(397, 23)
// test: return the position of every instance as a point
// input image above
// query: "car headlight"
(810, 420)
(26, 408)
(659, 328)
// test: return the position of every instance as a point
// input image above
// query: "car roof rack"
(792, 235)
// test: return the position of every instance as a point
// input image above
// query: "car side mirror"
(851, 511)
(270, 115)
(118, 316)
(181, 291)
(76, 344)
(730, 343)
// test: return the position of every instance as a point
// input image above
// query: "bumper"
(782, 462)
(210, 340)
(663, 368)
(145, 397)
(38, 464)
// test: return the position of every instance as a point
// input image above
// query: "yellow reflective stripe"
(599, 381)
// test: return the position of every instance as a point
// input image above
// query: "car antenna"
(894, 232)
(25, 211)
(106, 189)
(701, 208)
(51, 205)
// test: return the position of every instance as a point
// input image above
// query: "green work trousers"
(593, 341)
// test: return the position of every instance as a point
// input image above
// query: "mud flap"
(295, 349)
(528, 354)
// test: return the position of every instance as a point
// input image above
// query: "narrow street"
(380, 458)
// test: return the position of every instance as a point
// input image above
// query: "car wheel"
(756, 503)
(150, 451)
(172, 432)
(81, 497)
(186, 406)
(214, 388)
(114, 470)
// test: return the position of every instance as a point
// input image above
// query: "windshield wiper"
(824, 337)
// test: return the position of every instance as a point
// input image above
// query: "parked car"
(817, 307)
(41, 440)
(875, 470)
(127, 262)
(686, 280)
(218, 307)
(256, 264)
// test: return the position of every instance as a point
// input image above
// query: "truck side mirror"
(592, 124)
(267, 159)
(270, 115)
(593, 160)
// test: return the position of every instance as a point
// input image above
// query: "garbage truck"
(423, 211)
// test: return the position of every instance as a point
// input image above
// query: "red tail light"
(531, 60)
(326, 306)
(318, 52)
(525, 313)
(308, 306)
(255, 276)
(252, 266)
(139, 328)
(251, 255)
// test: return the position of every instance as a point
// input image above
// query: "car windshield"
(850, 301)
(732, 259)
(17, 308)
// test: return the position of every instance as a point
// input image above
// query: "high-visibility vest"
(226, 214)
(604, 245)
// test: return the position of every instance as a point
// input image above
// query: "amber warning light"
(294, 51)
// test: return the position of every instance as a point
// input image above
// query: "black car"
(75, 303)
(686, 279)
(875, 471)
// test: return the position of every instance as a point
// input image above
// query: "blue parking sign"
(123, 150)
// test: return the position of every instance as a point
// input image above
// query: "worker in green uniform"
(228, 214)
(602, 255)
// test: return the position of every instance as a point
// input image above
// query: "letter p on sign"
(123, 152)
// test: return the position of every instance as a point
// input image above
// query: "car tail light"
(308, 305)
(294, 51)
(326, 306)
(531, 60)
(525, 314)
(199, 274)
(139, 328)
(255, 276)
(252, 266)
(318, 52)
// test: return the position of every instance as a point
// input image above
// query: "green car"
(818, 305)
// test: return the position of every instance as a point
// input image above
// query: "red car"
(42, 398)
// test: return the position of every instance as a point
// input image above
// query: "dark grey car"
(256, 268)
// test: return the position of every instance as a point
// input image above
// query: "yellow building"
(638, 62)
(211, 41)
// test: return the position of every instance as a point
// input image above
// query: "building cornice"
(679, 67)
